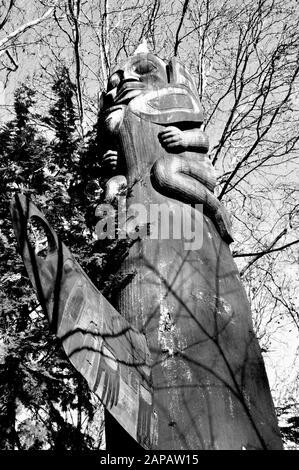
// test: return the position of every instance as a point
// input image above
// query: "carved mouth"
(127, 90)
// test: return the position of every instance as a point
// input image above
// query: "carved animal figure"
(210, 389)
(184, 172)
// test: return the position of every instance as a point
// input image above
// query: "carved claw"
(116, 186)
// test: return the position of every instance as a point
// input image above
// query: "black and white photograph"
(149, 229)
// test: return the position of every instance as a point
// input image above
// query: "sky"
(281, 359)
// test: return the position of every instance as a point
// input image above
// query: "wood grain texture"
(109, 352)
(210, 386)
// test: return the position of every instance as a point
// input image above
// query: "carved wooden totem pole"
(210, 389)
(175, 359)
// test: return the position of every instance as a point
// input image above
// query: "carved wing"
(110, 354)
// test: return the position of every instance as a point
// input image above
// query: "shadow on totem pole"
(188, 374)
(206, 359)
(99, 343)
(209, 386)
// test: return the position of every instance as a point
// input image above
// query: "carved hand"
(172, 138)
(109, 368)
(109, 161)
(144, 416)
(194, 139)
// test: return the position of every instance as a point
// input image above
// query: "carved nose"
(130, 78)
(129, 83)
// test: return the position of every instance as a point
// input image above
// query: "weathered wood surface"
(110, 354)
(199, 381)
(210, 386)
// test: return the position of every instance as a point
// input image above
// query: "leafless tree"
(245, 58)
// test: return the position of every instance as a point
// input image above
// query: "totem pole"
(210, 389)
(175, 359)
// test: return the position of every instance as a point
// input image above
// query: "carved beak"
(127, 90)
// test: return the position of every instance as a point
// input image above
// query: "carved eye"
(113, 81)
(144, 67)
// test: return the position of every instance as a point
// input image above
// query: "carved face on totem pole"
(156, 105)
(174, 359)
(169, 89)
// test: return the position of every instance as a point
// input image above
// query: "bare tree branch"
(11, 4)
(177, 36)
(74, 15)
(22, 29)
(261, 253)
(268, 250)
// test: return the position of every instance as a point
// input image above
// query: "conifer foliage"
(44, 402)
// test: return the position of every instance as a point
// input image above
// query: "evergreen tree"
(43, 400)
(62, 117)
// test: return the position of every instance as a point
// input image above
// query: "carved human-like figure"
(165, 95)
(174, 358)
(209, 388)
